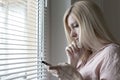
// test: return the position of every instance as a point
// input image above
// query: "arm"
(66, 72)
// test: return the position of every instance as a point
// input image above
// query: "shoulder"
(111, 62)
(112, 48)
(111, 53)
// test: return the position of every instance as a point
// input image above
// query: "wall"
(111, 9)
(111, 12)
(57, 35)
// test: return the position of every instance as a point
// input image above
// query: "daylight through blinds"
(22, 39)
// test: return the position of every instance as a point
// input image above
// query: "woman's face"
(73, 27)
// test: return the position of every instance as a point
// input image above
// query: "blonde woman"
(93, 53)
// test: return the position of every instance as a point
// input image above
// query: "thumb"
(54, 70)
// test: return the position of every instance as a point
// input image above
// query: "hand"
(65, 72)
(73, 53)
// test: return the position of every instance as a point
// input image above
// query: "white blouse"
(103, 65)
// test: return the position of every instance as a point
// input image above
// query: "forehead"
(71, 20)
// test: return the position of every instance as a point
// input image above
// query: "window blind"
(42, 31)
(22, 37)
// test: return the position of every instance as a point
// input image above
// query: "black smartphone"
(47, 64)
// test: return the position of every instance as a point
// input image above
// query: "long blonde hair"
(93, 29)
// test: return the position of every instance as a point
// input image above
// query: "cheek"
(79, 35)
(78, 32)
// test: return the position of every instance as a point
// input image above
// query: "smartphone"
(47, 64)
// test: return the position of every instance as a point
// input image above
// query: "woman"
(92, 53)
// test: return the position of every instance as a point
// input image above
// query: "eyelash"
(75, 26)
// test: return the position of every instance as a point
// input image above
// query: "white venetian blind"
(22, 39)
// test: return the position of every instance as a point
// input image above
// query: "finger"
(54, 72)
(70, 48)
(70, 58)
(54, 67)
(75, 45)
(74, 48)
(69, 53)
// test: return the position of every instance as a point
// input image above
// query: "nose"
(73, 33)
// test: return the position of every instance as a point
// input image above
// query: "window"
(22, 39)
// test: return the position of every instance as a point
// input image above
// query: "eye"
(75, 25)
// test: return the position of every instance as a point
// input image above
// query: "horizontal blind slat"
(34, 75)
(18, 58)
(18, 67)
(22, 76)
(18, 53)
(17, 72)
(33, 29)
(19, 63)
(15, 30)
(14, 39)
(20, 43)
(16, 49)
(11, 17)
(18, 35)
